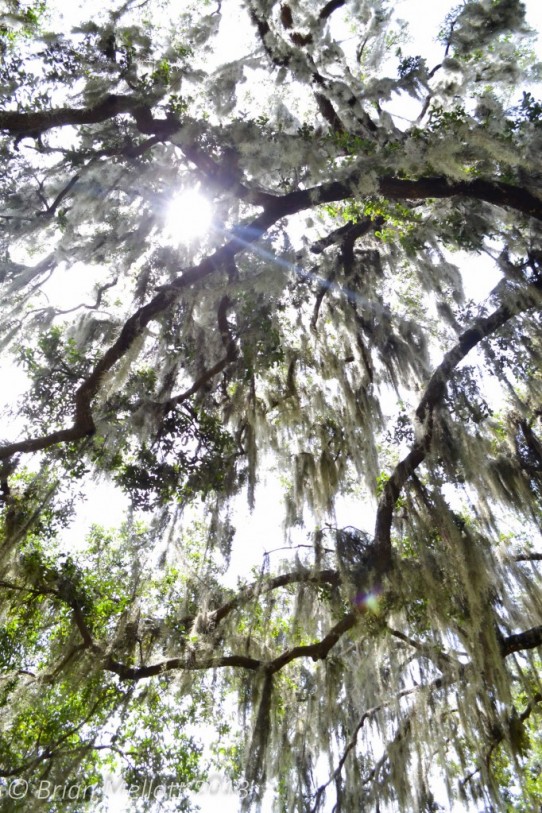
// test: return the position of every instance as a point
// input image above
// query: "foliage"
(379, 646)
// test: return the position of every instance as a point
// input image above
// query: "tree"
(319, 332)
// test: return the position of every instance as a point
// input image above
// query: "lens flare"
(368, 600)
(188, 217)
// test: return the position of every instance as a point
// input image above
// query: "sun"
(188, 216)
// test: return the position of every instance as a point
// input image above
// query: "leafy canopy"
(385, 654)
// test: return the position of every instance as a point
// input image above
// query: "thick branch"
(318, 651)
(186, 664)
(200, 382)
(50, 211)
(499, 194)
(231, 354)
(276, 208)
(349, 233)
(431, 399)
(495, 192)
(133, 328)
(40, 121)
(329, 113)
(330, 7)
(260, 588)
(530, 639)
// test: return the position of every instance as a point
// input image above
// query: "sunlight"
(188, 217)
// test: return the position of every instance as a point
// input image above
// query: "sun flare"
(188, 217)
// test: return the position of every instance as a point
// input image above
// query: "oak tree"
(326, 334)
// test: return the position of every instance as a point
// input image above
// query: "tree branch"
(433, 397)
(185, 664)
(514, 643)
(317, 651)
(330, 7)
(529, 639)
(349, 232)
(500, 735)
(494, 192)
(259, 588)
(133, 328)
(40, 121)
(275, 208)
